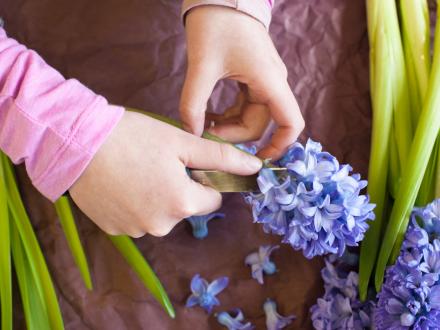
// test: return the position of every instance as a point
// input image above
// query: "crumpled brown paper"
(133, 52)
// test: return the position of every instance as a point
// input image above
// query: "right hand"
(137, 182)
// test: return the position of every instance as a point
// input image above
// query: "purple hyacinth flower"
(260, 262)
(340, 307)
(199, 224)
(318, 207)
(204, 294)
(234, 322)
(275, 321)
(410, 295)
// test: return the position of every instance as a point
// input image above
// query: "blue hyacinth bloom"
(318, 208)
(410, 295)
(260, 262)
(275, 321)
(234, 322)
(340, 308)
(199, 224)
(204, 294)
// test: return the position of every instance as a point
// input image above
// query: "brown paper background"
(133, 52)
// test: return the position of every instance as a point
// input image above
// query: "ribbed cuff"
(258, 9)
(76, 153)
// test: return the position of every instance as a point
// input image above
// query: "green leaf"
(5, 258)
(403, 129)
(437, 180)
(427, 189)
(379, 156)
(35, 311)
(394, 165)
(137, 261)
(33, 251)
(68, 224)
(423, 144)
(416, 36)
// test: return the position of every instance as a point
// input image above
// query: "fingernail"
(254, 163)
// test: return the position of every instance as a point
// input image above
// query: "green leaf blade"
(379, 159)
(35, 311)
(426, 134)
(36, 259)
(64, 211)
(138, 263)
(5, 258)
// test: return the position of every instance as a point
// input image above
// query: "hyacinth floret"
(199, 223)
(340, 307)
(204, 293)
(260, 262)
(275, 321)
(234, 320)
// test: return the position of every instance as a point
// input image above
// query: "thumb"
(198, 87)
(210, 155)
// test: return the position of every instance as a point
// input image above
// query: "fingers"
(199, 84)
(209, 155)
(202, 199)
(248, 126)
(286, 113)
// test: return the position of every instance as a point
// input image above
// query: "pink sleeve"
(259, 9)
(53, 125)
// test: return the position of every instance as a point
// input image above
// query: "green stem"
(175, 123)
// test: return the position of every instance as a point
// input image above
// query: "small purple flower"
(260, 262)
(340, 307)
(204, 294)
(318, 208)
(275, 321)
(234, 322)
(199, 224)
(410, 295)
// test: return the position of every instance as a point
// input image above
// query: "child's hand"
(225, 43)
(137, 182)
